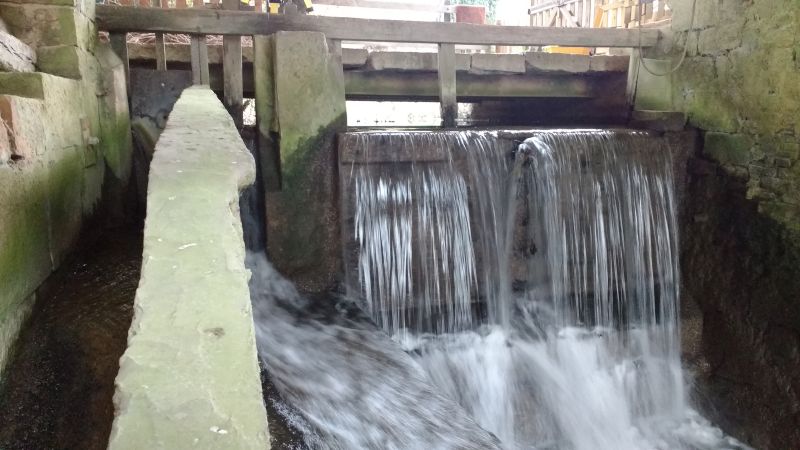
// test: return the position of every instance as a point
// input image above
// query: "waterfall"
(574, 244)
(519, 290)
(425, 210)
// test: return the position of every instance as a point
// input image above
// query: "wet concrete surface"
(57, 390)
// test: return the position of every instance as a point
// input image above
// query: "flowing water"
(530, 289)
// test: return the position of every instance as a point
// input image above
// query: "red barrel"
(471, 14)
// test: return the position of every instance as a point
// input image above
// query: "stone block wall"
(65, 141)
(740, 86)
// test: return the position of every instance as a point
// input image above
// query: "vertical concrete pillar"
(304, 92)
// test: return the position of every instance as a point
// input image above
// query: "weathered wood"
(199, 59)
(119, 43)
(202, 21)
(161, 48)
(232, 66)
(447, 84)
(410, 86)
(264, 85)
(15, 55)
(633, 76)
(199, 54)
(405, 6)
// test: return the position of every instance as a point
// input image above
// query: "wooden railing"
(258, 5)
(232, 24)
(597, 13)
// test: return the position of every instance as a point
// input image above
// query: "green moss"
(115, 143)
(61, 60)
(307, 173)
(24, 245)
(29, 85)
(728, 148)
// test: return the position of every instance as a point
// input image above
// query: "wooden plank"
(447, 85)
(161, 47)
(232, 70)
(407, 86)
(15, 55)
(382, 4)
(199, 59)
(203, 21)
(633, 76)
(264, 86)
(200, 73)
(119, 43)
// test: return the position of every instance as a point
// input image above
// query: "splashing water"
(352, 386)
(530, 288)
(586, 355)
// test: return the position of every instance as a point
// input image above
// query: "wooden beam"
(201, 21)
(232, 70)
(15, 55)
(161, 48)
(381, 4)
(199, 59)
(447, 85)
(408, 86)
(119, 43)
(264, 86)
(199, 53)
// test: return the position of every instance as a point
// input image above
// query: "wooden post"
(264, 84)
(200, 60)
(119, 43)
(633, 77)
(199, 54)
(232, 70)
(447, 84)
(161, 49)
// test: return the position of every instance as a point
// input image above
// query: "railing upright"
(232, 70)
(199, 52)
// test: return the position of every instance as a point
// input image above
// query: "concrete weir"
(190, 377)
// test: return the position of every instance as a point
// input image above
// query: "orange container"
(470, 14)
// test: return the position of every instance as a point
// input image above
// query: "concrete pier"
(189, 377)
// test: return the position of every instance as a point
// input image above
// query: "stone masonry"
(740, 86)
(65, 143)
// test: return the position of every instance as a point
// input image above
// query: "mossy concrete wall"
(63, 142)
(302, 97)
(740, 85)
(190, 377)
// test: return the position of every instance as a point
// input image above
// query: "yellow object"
(309, 6)
(566, 50)
(274, 7)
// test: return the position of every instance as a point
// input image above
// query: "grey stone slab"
(190, 377)
(484, 62)
(354, 57)
(555, 62)
(15, 55)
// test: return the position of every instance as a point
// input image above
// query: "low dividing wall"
(190, 377)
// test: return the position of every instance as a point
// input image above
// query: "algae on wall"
(740, 85)
(303, 230)
(66, 136)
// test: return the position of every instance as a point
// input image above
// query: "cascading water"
(585, 355)
(535, 283)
